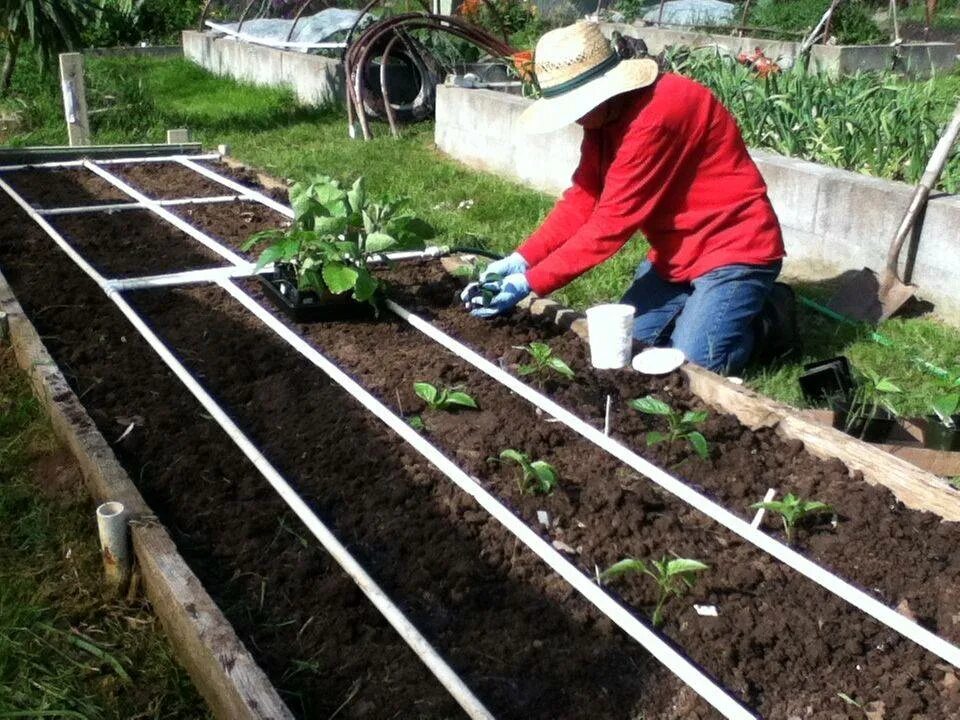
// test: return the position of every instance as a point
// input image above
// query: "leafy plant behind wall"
(335, 234)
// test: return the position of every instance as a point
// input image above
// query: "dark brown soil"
(64, 187)
(232, 223)
(526, 646)
(168, 181)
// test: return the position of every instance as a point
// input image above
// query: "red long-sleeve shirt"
(672, 165)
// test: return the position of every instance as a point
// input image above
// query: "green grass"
(65, 651)
(265, 128)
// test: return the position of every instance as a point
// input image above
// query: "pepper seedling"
(443, 399)
(946, 407)
(543, 361)
(793, 510)
(538, 476)
(673, 576)
(681, 425)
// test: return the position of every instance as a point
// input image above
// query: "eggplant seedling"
(793, 510)
(673, 576)
(538, 476)
(543, 361)
(443, 399)
(681, 425)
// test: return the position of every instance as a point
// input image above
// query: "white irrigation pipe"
(823, 577)
(234, 185)
(853, 595)
(660, 649)
(419, 644)
(107, 161)
(256, 40)
(113, 207)
(187, 277)
(154, 207)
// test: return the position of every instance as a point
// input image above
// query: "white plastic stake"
(114, 545)
(606, 417)
(758, 518)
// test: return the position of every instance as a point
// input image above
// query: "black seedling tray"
(827, 380)
(308, 306)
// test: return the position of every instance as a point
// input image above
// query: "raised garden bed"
(518, 634)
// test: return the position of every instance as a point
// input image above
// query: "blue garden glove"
(511, 290)
(513, 263)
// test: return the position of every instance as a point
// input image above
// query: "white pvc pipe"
(758, 518)
(188, 277)
(256, 40)
(441, 670)
(107, 161)
(663, 651)
(823, 577)
(112, 207)
(234, 185)
(114, 544)
(154, 207)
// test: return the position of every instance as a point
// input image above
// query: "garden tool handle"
(930, 176)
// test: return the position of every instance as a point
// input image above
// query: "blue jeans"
(710, 318)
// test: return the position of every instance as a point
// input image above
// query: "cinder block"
(793, 186)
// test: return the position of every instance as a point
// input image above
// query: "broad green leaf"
(285, 249)
(357, 195)
(410, 231)
(885, 385)
(516, 456)
(946, 406)
(699, 443)
(682, 566)
(330, 225)
(416, 422)
(560, 366)
(539, 350)
(545, 474)
(694, 418)
(310, 279)
(369, 225)
(526, 369)
(378, 242)
(427, 392)
(651, 406)
(366, 285)
(656, 437)
(462, 399)
(262, 236)
(622, 567)
(339, 277)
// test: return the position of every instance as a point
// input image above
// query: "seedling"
(471, 271)
(872, 393)
(443, 399)
(416, 422)
(945, 407)
(538, 476)
(674, 577)
(544, 361)
(334, 235)
(793, 510)
(682, 425)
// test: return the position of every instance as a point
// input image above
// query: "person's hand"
(495, 272)
(509, 291)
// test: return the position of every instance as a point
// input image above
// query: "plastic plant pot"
(938, 436)
(309, 306)
(875, 428)
(827, 379)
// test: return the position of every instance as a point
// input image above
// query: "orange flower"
(523, 62)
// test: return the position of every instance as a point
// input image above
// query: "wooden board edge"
(224, 672)
(914, 487)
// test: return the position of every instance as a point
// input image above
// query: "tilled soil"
(780, 643)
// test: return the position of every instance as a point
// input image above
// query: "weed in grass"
(682, 425)
(537, 477)
(443, 399)
(673, 576)
(793, 511)
(544, 362)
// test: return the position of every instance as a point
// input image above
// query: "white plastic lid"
(658, 361)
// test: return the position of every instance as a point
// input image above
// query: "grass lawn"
(266, 129)
(65, 651)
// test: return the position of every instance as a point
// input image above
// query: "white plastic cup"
(610, 328)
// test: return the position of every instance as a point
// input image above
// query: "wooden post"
(178, 136)
(74, 98)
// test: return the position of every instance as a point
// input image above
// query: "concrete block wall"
(314, 80)
(832, 220)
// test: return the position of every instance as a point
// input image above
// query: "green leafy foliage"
(416, 422)
(673, 576)
(128, 22)
(537, 476)
(443, 399)
(471, 271)
(955, 482)
(852, 23)
(335, 233)
(873, 392)
(681, 425)
(543, 362)
(793, 510)
(945, 407)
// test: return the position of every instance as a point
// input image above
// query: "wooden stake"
(74, 98)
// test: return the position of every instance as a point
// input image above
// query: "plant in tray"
(793, 511)
(681, 425)
(942, 429)
(537, 476)
(443, 398)
(543, 362)
(335, 235)
(869, 412)
(673, 576)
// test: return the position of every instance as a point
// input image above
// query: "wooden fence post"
(74, 98)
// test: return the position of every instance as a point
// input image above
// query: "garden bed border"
(225, 674)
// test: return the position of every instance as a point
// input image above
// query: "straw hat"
(577, 68)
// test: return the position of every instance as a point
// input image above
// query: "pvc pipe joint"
(114, 544)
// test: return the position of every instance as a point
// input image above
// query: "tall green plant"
(49, 26)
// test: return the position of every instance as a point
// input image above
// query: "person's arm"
(573, 208)
(636, 182)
